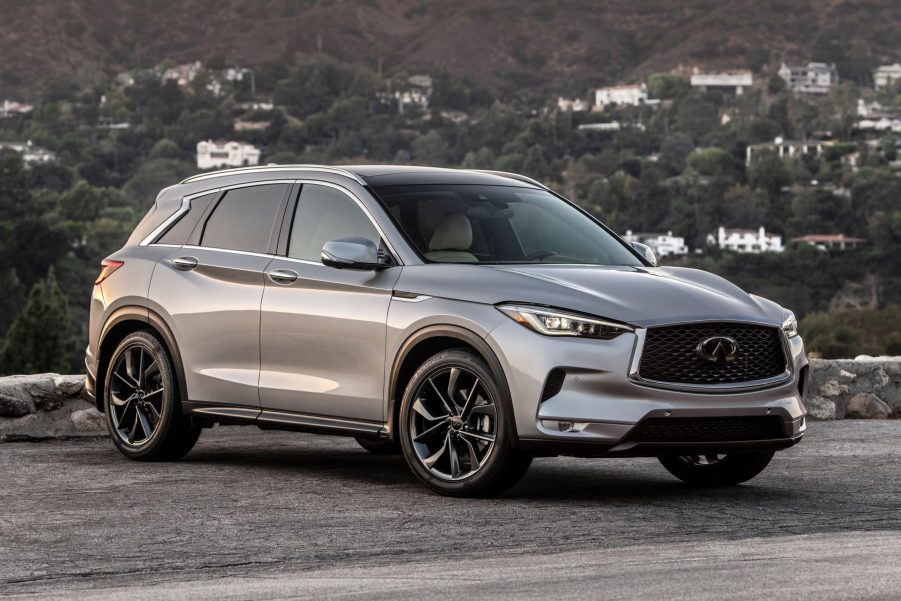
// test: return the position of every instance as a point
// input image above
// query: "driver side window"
(324, 213)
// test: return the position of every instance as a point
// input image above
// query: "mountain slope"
(504, 44)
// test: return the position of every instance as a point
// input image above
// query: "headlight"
(790, 325)
(552, 322)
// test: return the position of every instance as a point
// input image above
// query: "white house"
(183, 74)
(411, 98)
(829, 241)
(729, 80)
(746, 241)
(212, 154)
(628, 95)
(576, 105)
(31, 154)
(812, 78)
(663, 245)
(886, 75)
(786, 148)
(10, 108)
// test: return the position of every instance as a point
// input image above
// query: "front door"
(323, 330)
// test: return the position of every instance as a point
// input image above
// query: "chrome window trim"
(752, 385)
(363, 207)
(184, 208)
(274, 168)
(228, 250)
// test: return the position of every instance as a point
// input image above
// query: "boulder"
(89, 421)
(820, 409)
(13, 407)
(866, 405)
(69, 385)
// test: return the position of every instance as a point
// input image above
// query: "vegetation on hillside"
(678, 166)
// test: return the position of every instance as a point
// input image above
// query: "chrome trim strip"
(640, 335)
(185, 206)
(413, 298)
(228, 250)
(224, 411)
(274, 168)
(319, 422)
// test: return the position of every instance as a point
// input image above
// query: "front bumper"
(599, 405)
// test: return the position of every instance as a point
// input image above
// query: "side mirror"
(352, 253)
(645, 251)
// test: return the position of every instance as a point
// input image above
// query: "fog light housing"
(564, 426)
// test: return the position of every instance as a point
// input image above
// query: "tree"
(39, 339)
(712, 162)
(675, 149)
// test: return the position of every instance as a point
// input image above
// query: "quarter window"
(244, 218)
(324, 213)
(181, 230)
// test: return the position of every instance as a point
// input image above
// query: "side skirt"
(284, 420)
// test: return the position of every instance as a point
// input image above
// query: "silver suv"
(469, 320)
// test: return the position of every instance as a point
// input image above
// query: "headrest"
(453, 233)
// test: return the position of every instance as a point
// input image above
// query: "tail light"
(107, 267)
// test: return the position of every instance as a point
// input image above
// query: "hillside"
(506, 45)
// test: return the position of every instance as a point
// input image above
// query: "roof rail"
(516, 176)
(274, 167)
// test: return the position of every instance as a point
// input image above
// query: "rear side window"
(244, 219)
(324, 213)
(181, 229)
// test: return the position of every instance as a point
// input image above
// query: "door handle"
(184, 263)
(282, 276)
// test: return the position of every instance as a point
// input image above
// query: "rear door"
(323, 330)
(211, 289)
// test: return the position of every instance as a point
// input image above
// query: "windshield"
(463, 223)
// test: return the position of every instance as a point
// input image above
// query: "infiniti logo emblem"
(718, 349)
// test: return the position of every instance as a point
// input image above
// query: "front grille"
(707, 429)
(670, 354)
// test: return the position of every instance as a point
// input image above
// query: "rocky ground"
(273, 515)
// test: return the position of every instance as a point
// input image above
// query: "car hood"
(636, 295)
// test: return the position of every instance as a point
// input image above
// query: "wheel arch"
(428, 341)
(127, 320)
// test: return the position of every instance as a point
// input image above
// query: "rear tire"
(455, 430)
(717, 470)
(379, 446)
(140, 398)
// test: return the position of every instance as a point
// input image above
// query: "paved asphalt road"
(272, 515)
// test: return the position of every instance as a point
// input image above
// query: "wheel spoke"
(454, 458)
(474, 462)
(431, 431)
(452, 385)
(450, 409)
(130, 367)
(124, 381)
(117, 401)
(470, 399)
(134, 427)
(140, 367)
(431, 460)
(419, 408)
(153, 413)
(145, 423)
(486, 409)
(150, 394)
(477, 435)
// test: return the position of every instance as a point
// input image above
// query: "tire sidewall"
(152, 345)
(503, 435)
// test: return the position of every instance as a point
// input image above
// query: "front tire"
(455, 428)
(143, 412)
(716, 469)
